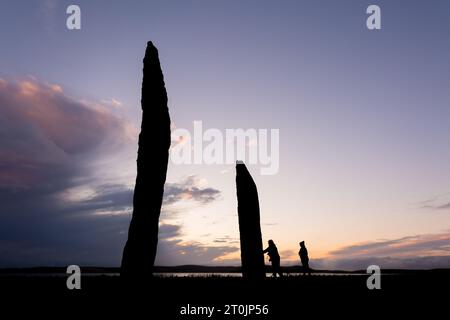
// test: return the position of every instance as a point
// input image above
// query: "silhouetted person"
(303, 253)
(274, 257)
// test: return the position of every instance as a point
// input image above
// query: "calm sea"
(175, 274)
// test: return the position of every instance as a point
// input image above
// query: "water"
(176, 274)
(238, 275)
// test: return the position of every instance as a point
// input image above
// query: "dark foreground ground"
(297, 297)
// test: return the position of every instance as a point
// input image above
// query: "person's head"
(271, 243)
(302, 244)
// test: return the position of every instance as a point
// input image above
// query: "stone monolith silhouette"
(252, 256)
(152, 158)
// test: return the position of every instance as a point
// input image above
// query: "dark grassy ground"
(287, 298)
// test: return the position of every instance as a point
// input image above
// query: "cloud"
(176, 252)
(56, 206)
(227, 239)
(115, 199)
(113, 102)
(106, 199)
(56, 211)
(439, 202)
(417, 245)
(189, 189)
(49, 143)
(44, 134)
(427, 262)
(289, 255)
(172, 250)
(169, 231)
(412, 252)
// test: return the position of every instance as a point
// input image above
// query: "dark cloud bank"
(413, 252)
(48, 142)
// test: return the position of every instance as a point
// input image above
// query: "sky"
(362, 116)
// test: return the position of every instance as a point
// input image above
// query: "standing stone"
(252, 256)
(153, 155)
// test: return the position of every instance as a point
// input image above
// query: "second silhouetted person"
(303, 253)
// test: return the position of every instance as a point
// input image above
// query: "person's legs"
(307, 268)
(277, 268)
(279, 272)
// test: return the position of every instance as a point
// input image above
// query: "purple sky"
(363, 119)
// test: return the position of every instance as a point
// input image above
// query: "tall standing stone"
(153, 155)
(252, 256)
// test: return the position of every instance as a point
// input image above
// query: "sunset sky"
(363, 118)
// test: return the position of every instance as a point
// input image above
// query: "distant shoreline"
(204, 269)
